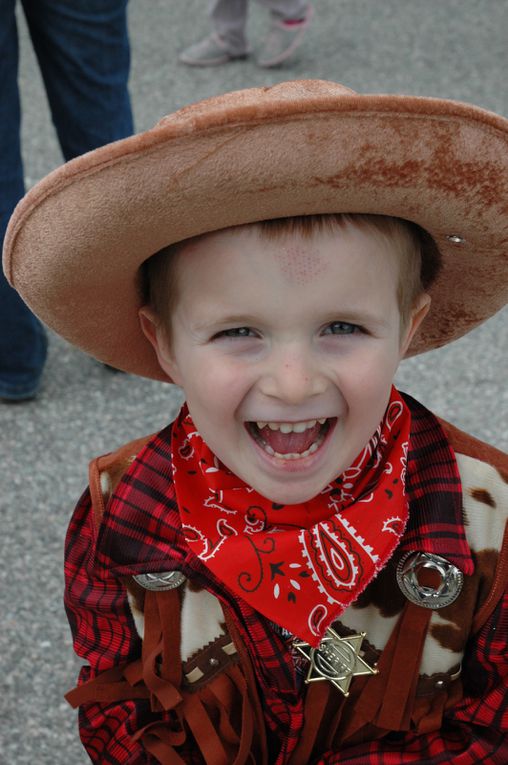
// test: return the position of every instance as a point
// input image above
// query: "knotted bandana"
(299, 565)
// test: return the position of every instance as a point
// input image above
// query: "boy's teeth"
(290, 440)
(290, 427)
(292, 455)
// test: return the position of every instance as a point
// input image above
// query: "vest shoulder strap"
(105, 472)
(464, 443)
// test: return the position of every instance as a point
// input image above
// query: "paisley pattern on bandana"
(299, 565)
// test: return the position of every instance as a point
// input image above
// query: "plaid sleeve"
(104, 635)
(476, 730)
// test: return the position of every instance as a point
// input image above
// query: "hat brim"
(76, 242)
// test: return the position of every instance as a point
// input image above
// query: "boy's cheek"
(169, 365)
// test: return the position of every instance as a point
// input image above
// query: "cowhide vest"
(418, 651)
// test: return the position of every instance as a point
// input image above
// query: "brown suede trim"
(463, 443)
(429, 685)
(210, 661)
(111, 465)
(499, 587)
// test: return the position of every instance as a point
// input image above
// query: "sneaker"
(282, 40)
(211, 51)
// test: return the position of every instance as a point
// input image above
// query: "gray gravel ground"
(447, 48)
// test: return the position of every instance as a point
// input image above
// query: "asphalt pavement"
(445, 48)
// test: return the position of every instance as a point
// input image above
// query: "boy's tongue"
(290, 443)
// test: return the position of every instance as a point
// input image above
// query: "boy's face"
(293, 334)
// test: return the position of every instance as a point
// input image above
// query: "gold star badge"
(336, 659)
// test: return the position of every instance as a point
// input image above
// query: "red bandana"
(299, 565)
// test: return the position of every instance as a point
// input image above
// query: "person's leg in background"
(227, 40)
(83, 51)
(23, 341)
(290, 19)
(229, 21)
(292, 10)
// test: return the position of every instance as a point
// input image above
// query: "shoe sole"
(211, 61)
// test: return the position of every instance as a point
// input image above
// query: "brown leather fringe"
(388, 697)
(160, 657)
(400, 690)
(316, 702)
(108, 687)
(218, 718)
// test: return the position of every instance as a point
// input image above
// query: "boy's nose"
(292, 377)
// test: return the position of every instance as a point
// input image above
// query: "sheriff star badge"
(336, 659)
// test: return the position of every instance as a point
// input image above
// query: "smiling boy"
(306, 566)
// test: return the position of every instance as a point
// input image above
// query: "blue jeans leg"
(82, 47)
(23, 341)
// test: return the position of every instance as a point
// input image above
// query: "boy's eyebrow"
(355, 316)
(237, 319)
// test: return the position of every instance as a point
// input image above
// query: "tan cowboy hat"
(76, 241)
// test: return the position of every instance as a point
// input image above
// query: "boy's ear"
(154, 333)
(417, 315)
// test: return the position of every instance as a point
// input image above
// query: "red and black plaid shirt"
(140, 532)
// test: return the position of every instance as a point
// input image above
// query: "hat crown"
(296, 91)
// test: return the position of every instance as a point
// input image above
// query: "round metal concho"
(413, 563)
(164, 580)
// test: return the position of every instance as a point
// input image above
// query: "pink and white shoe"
(212, 51)
(283, 38)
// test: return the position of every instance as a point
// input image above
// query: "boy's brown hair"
(416, 251)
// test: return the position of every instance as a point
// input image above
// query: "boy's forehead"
(300, 257)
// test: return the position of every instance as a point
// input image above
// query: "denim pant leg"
(84, 55)
(22, 339)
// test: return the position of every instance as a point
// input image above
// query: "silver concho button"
(413, 565)
(164, 580)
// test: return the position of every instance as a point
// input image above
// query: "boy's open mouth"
(290, 440)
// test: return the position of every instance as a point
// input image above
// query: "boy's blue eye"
(236, 332)
(341, 328)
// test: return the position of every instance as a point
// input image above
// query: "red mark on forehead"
(299, 264)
